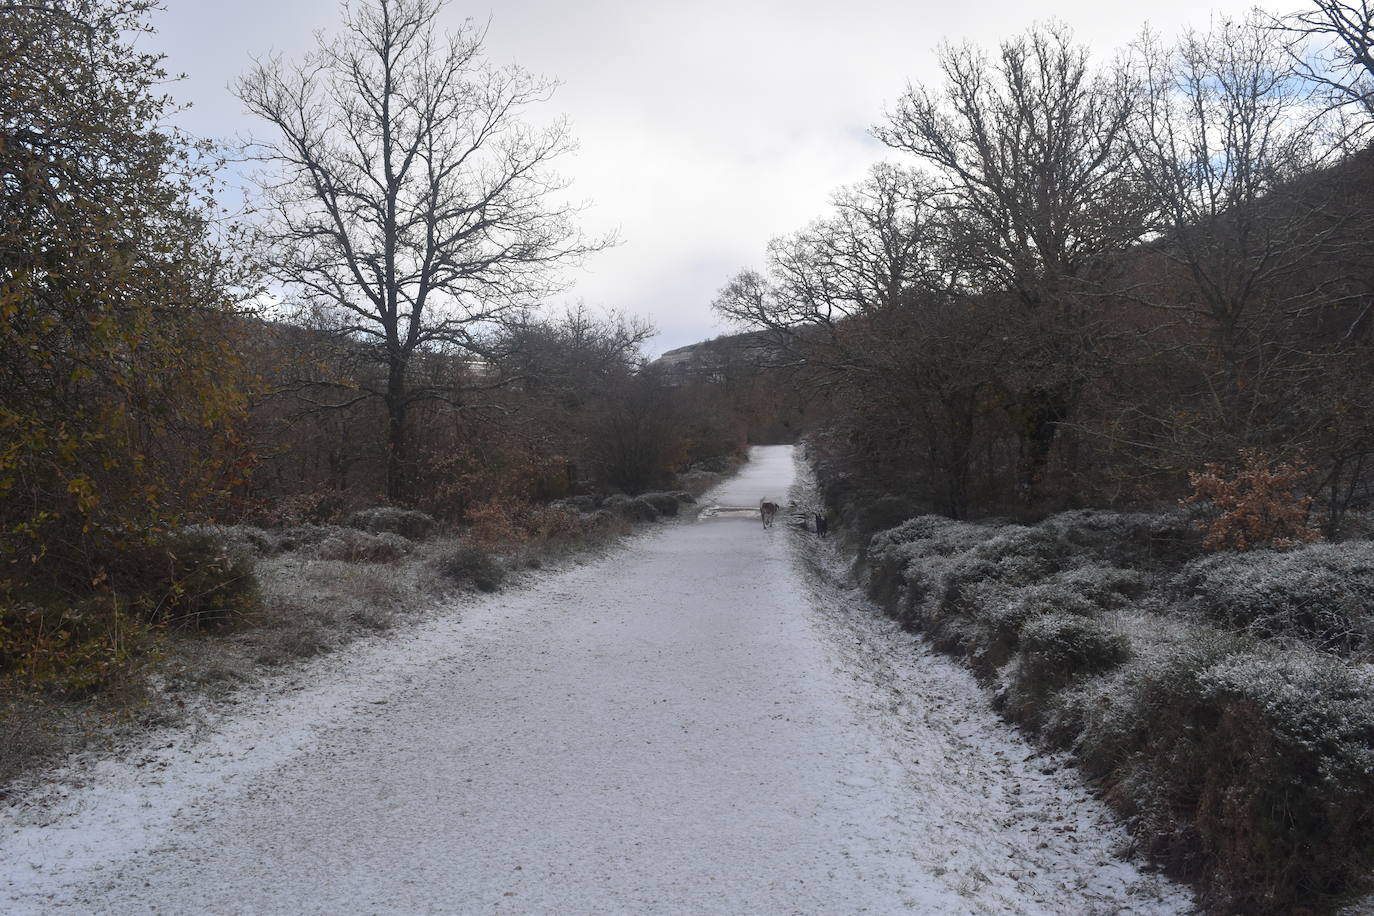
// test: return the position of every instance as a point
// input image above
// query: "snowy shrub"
(1323, 593)
(1250, 769)
(664, 503)
(243, 540)
(191, 578)
(1021, 555)
(938, 535)
(698, 481)
(408, 523)
(599, 520)
(353, 546)
(301, 537)
(1056, 649)
(1104, 586)
(582, 503)
(1128, 539)
(891, 553)
(465, 566)
(631, 507)
(1244, 766)
(684, 497)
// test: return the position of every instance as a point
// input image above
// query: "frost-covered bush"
(1323, 593)
(191, 578)
(1056, 649)
(579, 503)
(408, 523)
(664, 503)
(1244, 765)
(1020, 555)
(1128, 539)
(633, 508)
(698, 481)
(684, 497)
(1247, 767)
(599, 520)
(302, 537)
(1104, 586)
(465, 566)
(244, 540)
(353, 546)
(891, 553)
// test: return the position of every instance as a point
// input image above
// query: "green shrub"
(73, 651)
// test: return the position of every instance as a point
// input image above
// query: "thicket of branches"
(1083, 281)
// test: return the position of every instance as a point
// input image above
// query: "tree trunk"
(396, 404)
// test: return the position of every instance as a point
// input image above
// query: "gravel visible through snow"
(707, 721)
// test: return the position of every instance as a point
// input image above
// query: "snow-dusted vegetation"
(1223, 703)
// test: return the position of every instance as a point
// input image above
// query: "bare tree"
(865, 305)
(1343, 57)
(1036, 174)
(1222, 135)
(1030, 153)
(404, 194)
(878, 250)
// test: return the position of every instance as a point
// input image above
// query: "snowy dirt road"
(707, 721)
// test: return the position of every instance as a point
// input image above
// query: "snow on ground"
(706, 721)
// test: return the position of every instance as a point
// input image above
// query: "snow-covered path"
(700, 723)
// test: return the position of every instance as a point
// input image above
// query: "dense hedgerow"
(1322, 593)
(1244, 764)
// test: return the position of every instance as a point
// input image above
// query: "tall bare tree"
(405, 195)
(1034, 170)
(1223, 130)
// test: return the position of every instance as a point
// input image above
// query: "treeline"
(367, 332)
(1083, 281)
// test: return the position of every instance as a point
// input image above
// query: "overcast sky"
(705, 127)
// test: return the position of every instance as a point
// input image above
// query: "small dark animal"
(767, 510)
(822, 526)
